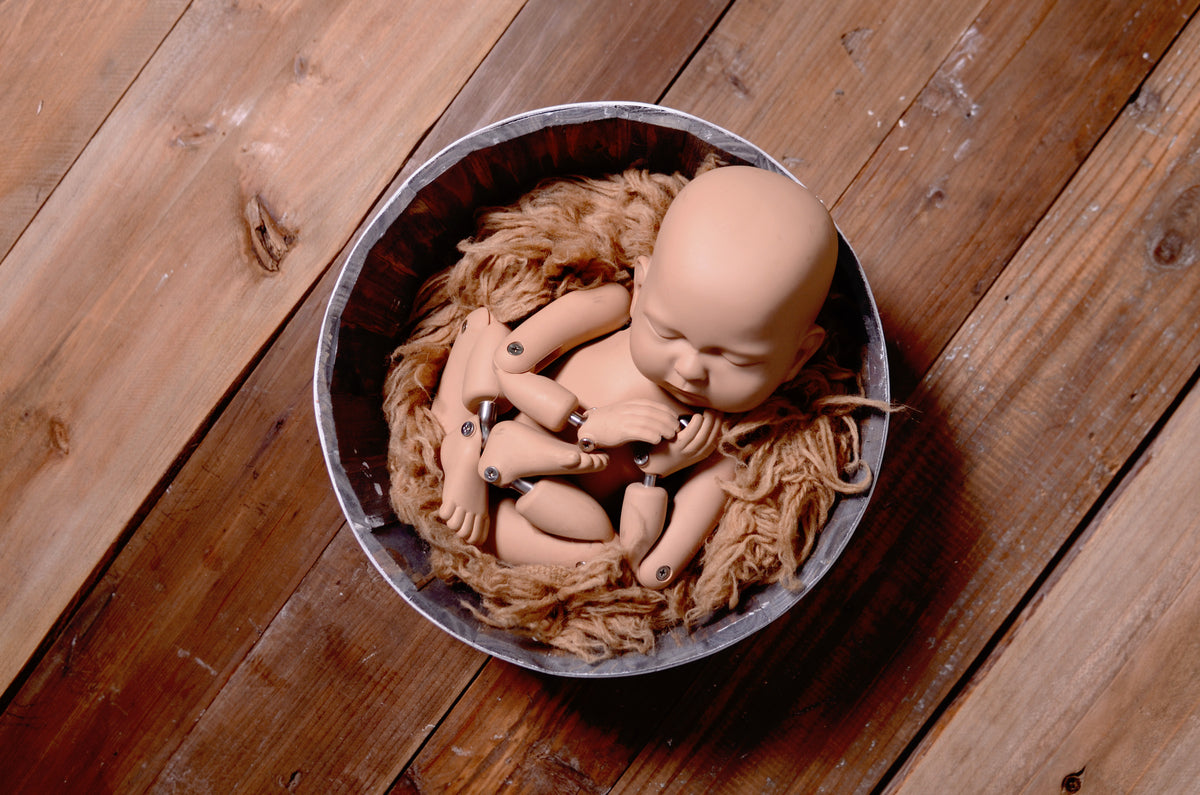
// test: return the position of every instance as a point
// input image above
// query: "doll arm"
(645, 506)
(542, 399)
(564, 323)
(698, 506)
(561, 325)
(693, 444)
(636, 420)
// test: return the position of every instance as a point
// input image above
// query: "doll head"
(725, 309)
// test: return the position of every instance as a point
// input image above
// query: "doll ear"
(641, 267)
(808, 346)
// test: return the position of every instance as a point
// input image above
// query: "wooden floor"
(184, 608)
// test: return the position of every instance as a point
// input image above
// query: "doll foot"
(464, 506)
(470, 526)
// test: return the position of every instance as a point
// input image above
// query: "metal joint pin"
(487, 418)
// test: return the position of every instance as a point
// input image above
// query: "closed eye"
(662, 331)
(741, 361)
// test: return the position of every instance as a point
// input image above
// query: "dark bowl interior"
(414, 235)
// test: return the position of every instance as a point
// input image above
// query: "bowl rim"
(758, 609)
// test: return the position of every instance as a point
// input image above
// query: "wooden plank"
(977, 159)
(236, 181)
(1101, 674)
(261, 465)
(1080, 346)
(523, 732)
(576, 51)
(63, 71)
(819, 84)
(575, 748)
(187, 598)
(1083, 92)
(326, 700)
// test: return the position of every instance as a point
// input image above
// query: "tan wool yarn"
(795, 454)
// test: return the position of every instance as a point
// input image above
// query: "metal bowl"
(413, 235)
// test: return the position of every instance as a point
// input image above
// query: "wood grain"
(523, 732)
(976, 160)
(157, 222)
(1050, 83)
(576, 51)
(1016, 431)
(819, 84)
(327, 645)
(179, 609)
(260, 463)
(61, 74)
(1102, 671)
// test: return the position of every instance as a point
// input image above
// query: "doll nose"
(690, 368)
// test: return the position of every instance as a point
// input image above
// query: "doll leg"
(464, 506)
(643, 515)
(562, 509)
(517, 541)
(516, 450)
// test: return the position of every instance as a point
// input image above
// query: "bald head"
(743, 260)
(761, 241)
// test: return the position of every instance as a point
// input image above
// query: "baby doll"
(613, 389)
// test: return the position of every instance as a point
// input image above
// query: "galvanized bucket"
(413, 235)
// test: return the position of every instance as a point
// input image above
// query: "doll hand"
(690, 446)
(629, 421)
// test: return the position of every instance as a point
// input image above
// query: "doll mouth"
(686, 396)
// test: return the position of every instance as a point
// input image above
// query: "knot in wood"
(1173, 243)
(269, 239)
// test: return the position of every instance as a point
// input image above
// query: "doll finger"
(651, 431)
(657, 411)
(708, 434)
(664, 420)
(691, 429)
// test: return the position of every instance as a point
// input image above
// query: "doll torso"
(602, 373)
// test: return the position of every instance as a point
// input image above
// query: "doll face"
(725, 310)
(703, 356)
